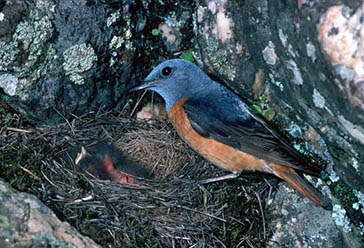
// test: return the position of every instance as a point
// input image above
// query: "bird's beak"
(144, 85)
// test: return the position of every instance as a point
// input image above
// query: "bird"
(221, 127)
(106, 162)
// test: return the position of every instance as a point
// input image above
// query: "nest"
(172, 210)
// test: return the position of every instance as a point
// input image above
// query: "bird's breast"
(216, 152)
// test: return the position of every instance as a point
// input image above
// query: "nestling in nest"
(169, 209)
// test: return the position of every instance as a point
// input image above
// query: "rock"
(286, 54)
(297, 222)
(27, 222)
(273, 50)
(62, 57)
(171, 30)
(338, 36)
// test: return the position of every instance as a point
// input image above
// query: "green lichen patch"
(122, 44)
(44, 240)
(114, 17)
(220, 58)
(29, 36)
(28, 53)
(77, 60)
(46, 5)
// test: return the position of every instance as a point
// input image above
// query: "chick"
(106, 162)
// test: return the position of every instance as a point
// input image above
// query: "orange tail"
(290, 176)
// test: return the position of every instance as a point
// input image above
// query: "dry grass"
(172, 210)
(163, 153)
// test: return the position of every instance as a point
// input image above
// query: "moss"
(343, 193)
(187, 55)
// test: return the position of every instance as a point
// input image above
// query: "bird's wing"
(245, 132)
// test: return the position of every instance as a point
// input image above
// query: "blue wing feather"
(230, 121)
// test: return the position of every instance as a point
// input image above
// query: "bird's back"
(224, 116)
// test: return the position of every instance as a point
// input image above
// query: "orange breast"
(216, 152)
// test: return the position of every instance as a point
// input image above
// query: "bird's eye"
(166, 71)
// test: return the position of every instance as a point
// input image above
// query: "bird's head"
(175, 79)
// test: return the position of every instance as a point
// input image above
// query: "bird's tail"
(297, 182)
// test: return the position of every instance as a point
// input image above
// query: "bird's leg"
(222, 178)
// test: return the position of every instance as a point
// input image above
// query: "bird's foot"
(222, 178)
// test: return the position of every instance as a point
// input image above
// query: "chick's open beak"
(144, 85)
